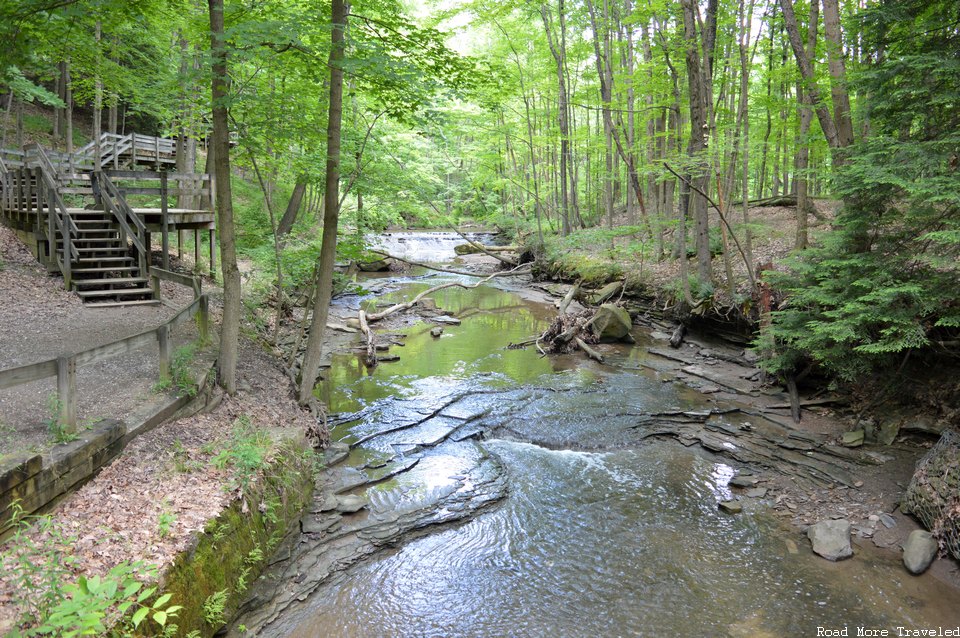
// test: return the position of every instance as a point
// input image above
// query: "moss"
(234, 548)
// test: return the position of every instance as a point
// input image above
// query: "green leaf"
(139, 615)
(160, 617)
(163, 600)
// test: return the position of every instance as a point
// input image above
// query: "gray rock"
(852, 439)
(377, 265)
(447, 319)
(612, 323)
(750, 356)
(731, 507)
(919, 551)
(887, 520)
(349, 503)
(436, 332)
(757, 492)
(831, 539)
(743, 481)
(428, 303)
(924, 425)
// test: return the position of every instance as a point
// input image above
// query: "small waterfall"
(431, 247)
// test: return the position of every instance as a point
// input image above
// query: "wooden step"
(110, 293)
(102, 249)
(103, 269)
(130, 302)
(105, 282)
(90, 260)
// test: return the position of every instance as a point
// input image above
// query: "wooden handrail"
(116, 205)
(65, 365)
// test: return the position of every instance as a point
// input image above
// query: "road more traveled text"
(899, 632)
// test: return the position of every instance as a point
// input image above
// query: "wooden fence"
(64, 367)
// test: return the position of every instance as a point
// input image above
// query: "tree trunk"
(838, 72)
(328, 243)
(230, 328)
(562, 115)
(697, 176)
(293, 207)
(803, 144)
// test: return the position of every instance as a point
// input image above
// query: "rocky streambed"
(477, 489)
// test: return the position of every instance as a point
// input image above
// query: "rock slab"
(831, 539)
(919, 551)
(612, 323)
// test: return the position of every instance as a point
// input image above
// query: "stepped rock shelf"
(91, 215)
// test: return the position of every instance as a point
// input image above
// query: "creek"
(515, 495)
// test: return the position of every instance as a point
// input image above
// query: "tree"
(331, 210)
(230, 326)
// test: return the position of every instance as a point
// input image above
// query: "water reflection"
(625, 543)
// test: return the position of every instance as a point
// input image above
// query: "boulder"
(612, 323)
(932, 493)
(428, 303)
(919, 551)
(852, 439)
(377, 265)
(436, 332)
(831, 539)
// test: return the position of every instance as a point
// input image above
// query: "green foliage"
(181, 372)
(59, 432)
(214, 608)
(248, 451)
(885, 282)
(39, 564)
(165, 521)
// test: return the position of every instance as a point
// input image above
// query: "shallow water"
(619, 542)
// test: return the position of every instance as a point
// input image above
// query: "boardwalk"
(91, 215)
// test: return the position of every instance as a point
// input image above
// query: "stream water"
(590, 534)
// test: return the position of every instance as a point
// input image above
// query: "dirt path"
(40, 320)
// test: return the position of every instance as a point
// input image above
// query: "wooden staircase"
(103, 271)
(102, 251)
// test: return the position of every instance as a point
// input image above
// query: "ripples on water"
(625, 543)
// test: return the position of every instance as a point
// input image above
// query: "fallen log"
(590, 352)
(474, 248)
(677, 337)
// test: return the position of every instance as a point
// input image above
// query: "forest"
(760, 199)
(601, 134)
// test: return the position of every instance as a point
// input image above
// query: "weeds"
(166, 520)
(215, 607)
(60, 432)
(181, 375)
(40, 566)
(247, 451)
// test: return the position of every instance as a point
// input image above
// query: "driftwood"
(590, 352)
(509, 262)
(474, 247)
(677, 337)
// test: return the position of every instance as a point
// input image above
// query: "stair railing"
(113, 202)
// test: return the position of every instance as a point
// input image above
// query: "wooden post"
(179, 244)
(163, 339)
(165, 221)
(203, 319)
(155, 284)
(213, 256)
(196, 250)
(156, 148)
(67, 392)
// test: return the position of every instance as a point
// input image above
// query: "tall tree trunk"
(803, 144)
(230, 328)
(331, 211)
(562, 115)
(838, 72)
(805, 64)
(293, 207)
(697, 175)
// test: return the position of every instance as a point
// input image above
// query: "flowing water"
(594, 536)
